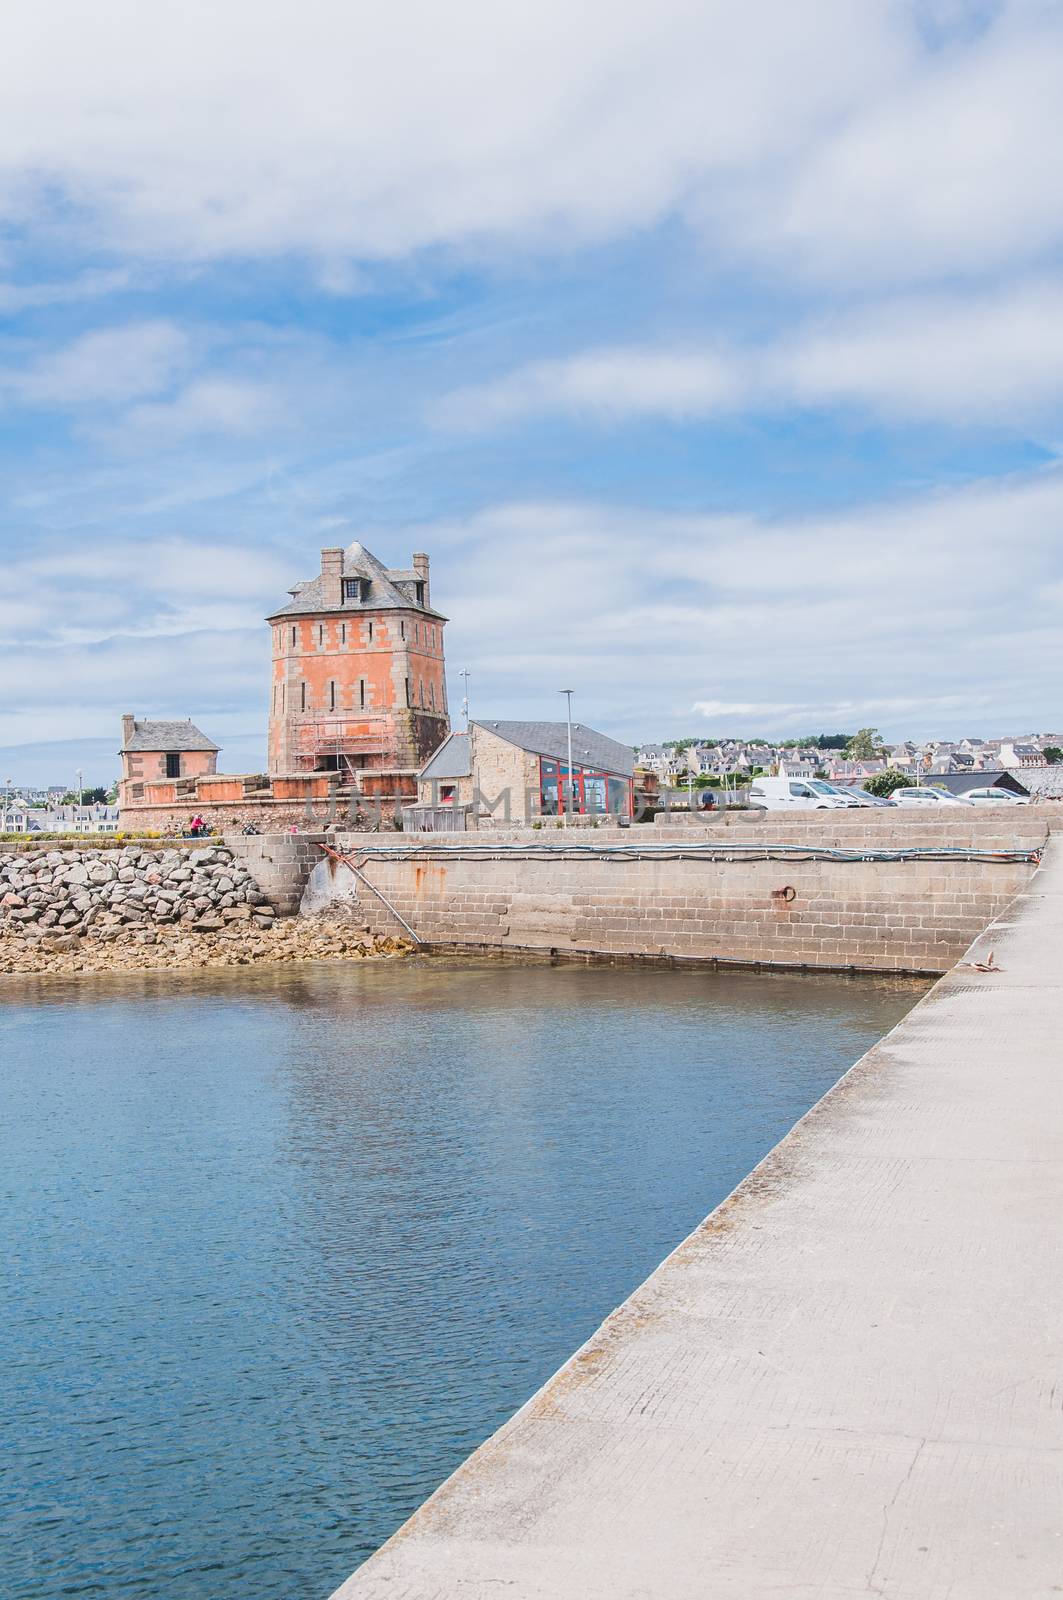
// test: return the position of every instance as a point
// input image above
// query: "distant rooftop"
(167, 736)
(589, 748)
(451, 760)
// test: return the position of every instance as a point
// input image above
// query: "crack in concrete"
(872, 1587)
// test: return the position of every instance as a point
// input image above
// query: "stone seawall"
(792, 906)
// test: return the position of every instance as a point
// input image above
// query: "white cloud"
(109, 365)
(995, 357)
(987, 357)
(212, 404)
(883, 140)
(135, 385)
(952, 170)
(313, 125)
(89, 285)
(921, 614)
(608, 383)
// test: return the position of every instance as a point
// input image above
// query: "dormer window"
(355, 588)
(419, 590)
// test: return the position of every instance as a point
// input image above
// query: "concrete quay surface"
(848, 1380)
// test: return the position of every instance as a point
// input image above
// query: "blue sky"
(715, 354)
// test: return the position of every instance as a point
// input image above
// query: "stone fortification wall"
(913, 914)
(268, 816)
(103, 892)
(281, 864)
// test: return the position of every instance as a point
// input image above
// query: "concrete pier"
(849, 1380)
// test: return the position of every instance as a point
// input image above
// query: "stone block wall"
(281, 864)
(911, 915)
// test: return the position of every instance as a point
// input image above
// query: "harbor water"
(282, 1246)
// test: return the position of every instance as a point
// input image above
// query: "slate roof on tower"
(385, 589)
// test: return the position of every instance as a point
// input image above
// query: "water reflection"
(285, 1244)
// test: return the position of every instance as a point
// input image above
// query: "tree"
(864, 746)
(884, 783)
(87, 797)
(1053, 754)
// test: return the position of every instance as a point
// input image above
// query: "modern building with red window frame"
(518, 772)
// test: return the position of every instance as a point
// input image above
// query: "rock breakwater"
(100, 892)
(139, 909)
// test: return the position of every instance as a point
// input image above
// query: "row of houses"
(18, 816)
(673, 766)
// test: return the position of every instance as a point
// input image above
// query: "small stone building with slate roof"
(157, 750)
(518, 772)
(358, 684)
(1042, 783)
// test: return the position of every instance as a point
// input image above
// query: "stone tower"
(358, 680)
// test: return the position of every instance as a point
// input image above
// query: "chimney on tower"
(420, 566)
(129, 727)
(332, 579)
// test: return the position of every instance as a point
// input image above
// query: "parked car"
(797, 794)
(928, 798)
(821, 786)
(996, 797)
(862, 798)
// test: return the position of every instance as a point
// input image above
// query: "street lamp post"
(464, 673)
(568, 703)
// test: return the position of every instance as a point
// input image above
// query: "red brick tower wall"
(362, 688)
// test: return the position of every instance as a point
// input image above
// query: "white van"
(798, 794)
